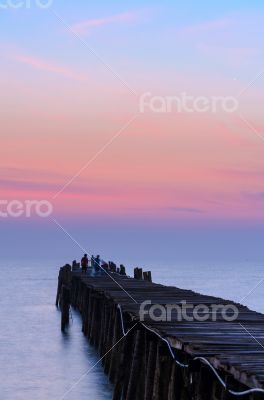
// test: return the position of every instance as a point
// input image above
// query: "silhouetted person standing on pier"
(84, 263)
(97, 263)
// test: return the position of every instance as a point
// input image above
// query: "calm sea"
(38, 362)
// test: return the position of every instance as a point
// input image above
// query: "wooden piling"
(65, 307)
(138, 273)
(132, 391)
(59, 288)
(151, 365)
(122, 270)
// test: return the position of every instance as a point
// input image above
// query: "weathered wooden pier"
(164, 360)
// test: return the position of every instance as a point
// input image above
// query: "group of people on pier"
(95, 263)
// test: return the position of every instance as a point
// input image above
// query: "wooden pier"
(160, 359)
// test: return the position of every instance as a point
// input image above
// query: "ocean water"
(37, 361)
(240, 282)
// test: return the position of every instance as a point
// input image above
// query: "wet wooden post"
(122, 270)
(59, 288)
(149, 276)
(138, 273)
(65, 307)
(112, 266)
(64, 295)
(106, 319)
(102, 329)
(156, 383)
(150, 374)
(126, 363)
(132, 391)
(205, 384)
(115, 351)
(165, 364)
(172, 384)
(109, 340)
(176, 383)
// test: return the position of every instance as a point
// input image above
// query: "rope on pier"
(202, 359)
(169, 346)
(245, 392)
(122, 320)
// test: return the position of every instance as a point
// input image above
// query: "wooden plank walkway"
(235, 348)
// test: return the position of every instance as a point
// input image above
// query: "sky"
(86, 126)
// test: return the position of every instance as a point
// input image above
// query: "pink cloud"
(48, 66)
(230, 52)
(17, 55)
(86, 26)
(208, 26)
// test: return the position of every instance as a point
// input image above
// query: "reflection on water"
(36, 360)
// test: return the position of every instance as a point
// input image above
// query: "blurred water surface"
(38, 362)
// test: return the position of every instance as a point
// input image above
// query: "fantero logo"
(26, 208)
(184, 311)
(18, 4)
(184, 103)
